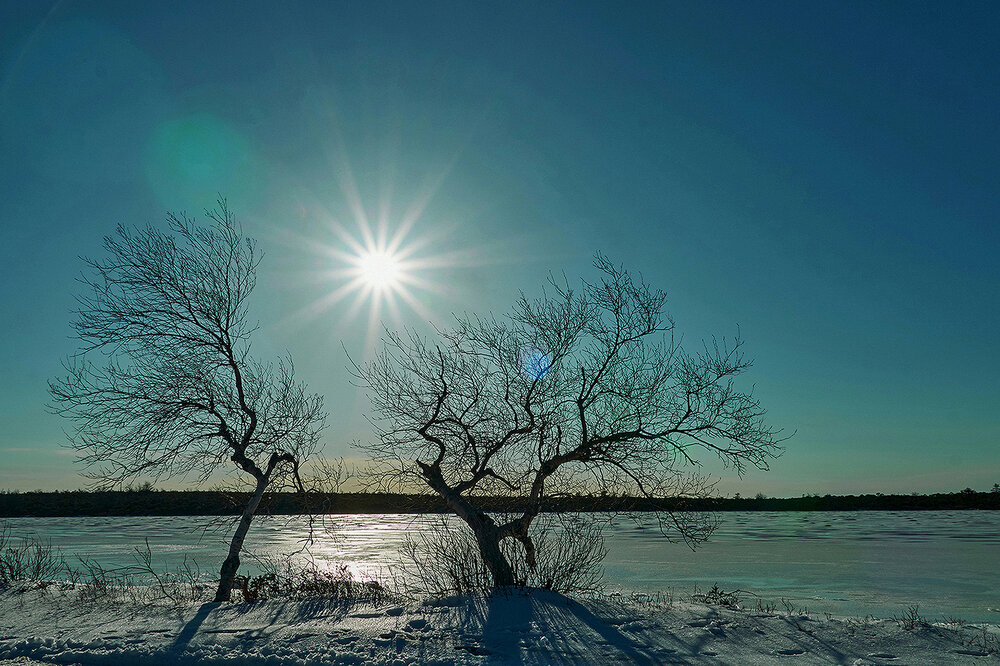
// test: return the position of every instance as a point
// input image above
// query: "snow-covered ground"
(57, 627)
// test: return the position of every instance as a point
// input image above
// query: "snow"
(53, 626)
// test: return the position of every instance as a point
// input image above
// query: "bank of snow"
(538, 628)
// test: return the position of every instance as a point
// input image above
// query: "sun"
(380, 269)
(384, 261)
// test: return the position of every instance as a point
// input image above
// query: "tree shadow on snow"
(268, 615)
(542, 627)
(193, 625)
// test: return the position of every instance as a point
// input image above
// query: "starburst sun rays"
(378, 266)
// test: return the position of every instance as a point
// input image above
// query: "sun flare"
(376, 265)
(380, 269)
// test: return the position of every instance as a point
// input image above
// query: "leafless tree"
(164, 385)
(577, 391)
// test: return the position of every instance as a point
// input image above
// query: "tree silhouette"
(576, 392)
(164, 384)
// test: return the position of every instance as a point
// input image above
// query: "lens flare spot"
(535, 363)
(195, 158)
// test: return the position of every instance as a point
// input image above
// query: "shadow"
(543, 627)
(192, 626)
(507, 620)
(807, 640)
(608, 633)
(698, 648)
(269, 614)
(298, 610)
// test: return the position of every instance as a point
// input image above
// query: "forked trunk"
(486, 531)
(488, 539)
(229, 566)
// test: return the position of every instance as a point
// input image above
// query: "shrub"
(27, 558)
(140, 581)
(718, 597)
(911, 619)
(287, 579)
(445, 559)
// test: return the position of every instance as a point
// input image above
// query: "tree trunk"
(488, 539)
(229, 566)
(486, 531)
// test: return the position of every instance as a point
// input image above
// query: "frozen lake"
(851, 563)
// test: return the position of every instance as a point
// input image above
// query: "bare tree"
(164, 385)
(578, 391)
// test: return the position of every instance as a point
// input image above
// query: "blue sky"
(823, 176)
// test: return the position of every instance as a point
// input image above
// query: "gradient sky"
(823, 176)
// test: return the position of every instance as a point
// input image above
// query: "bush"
(140, 581)
(286, 579)
(27, 558)
(719, 597)
(445, 560)
(569, 551)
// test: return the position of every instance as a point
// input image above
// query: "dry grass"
(32, 563)
(26, 559)
(286, 578)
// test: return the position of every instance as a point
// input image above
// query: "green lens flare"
(192, 160)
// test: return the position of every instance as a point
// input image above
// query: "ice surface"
(842, 562)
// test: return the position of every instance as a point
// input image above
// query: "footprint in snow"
(417, 624)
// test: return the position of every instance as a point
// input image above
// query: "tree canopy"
(575, 391)
(164, 383)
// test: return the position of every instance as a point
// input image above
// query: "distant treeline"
(217, 503)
